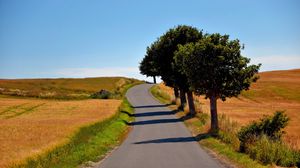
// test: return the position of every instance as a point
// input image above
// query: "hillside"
(276, 85)
(275, 90)
(62, 88)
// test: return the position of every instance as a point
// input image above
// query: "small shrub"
(271, 126)
(102, 94)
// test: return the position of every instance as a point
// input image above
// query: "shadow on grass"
(175, 140)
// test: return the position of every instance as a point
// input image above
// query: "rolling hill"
(62, 88)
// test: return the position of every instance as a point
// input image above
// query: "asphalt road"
(158, 139)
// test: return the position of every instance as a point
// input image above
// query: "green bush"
(269, 151)
(271, 126)
(102, 94)
(262, 141)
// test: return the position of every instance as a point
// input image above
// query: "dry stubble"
(30, 126)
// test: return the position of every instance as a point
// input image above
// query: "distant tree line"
(190, 61)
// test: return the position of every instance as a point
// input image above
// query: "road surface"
(158, 139)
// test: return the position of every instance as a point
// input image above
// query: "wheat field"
(30, 126)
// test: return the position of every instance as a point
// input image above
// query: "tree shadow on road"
(186, 117)
(157, 121)
(146, 114)
(152, 106)
(175, 140)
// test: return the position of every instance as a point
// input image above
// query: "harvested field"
(30, 126)
(275, 90)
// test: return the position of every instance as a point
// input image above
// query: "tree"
(148, 65)
(153, 52)
(215, 68)
(167, 44)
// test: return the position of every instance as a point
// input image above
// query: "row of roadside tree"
(191, 61)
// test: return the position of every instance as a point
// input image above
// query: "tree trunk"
(154, 79)
(214, 126)
(182, 99)
(176, 93)
(191, 103)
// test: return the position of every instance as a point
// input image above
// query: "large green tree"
(167, 44)
(215, 68)
(148, 66)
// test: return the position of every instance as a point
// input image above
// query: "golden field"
(30, 126)
(62, 88)
(275, 90)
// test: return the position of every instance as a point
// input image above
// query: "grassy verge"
(195, 125)
(160, 95)
(90, 143)
(225, 150)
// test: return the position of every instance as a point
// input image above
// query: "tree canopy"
(215, 68)
(167, 45)
(148, 65)
(160, 55)
(207, 64)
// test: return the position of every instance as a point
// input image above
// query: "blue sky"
(85, 38)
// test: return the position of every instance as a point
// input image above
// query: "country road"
(158, 139)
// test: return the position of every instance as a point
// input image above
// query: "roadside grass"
(64, 88)
(89, 143)
(268, 151)
(199, 127)
(238, 159)
(162, 96)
